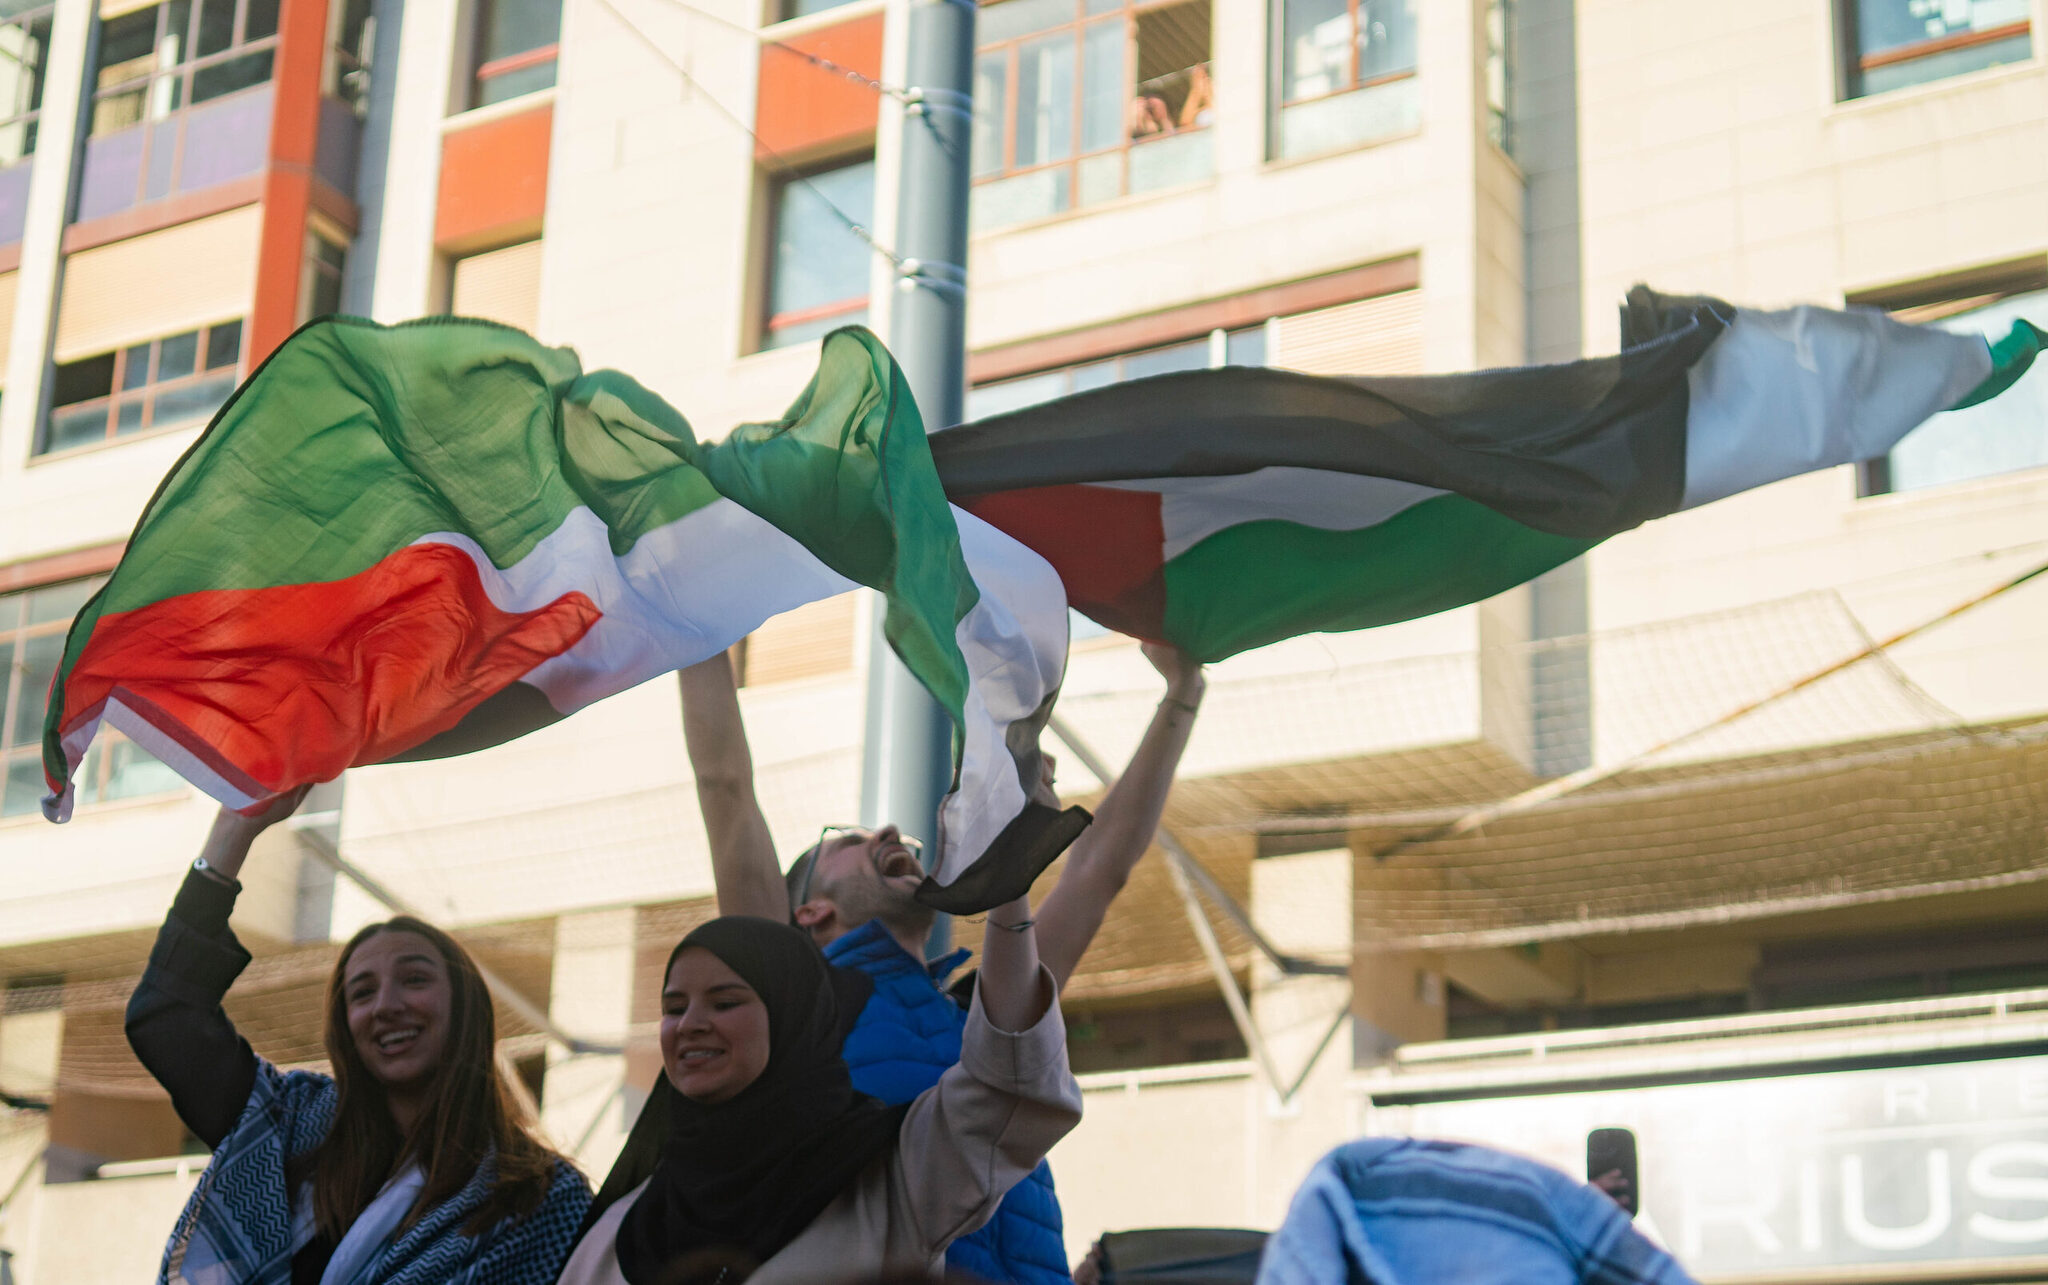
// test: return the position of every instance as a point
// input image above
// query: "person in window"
(854, 892)
(412, 1164)
(1149, 116)
(756, 1159)
(1200, 107)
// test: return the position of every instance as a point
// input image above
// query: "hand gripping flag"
(425, 539)
(428, 539)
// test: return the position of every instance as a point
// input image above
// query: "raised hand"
(1185, 681)
(227, 845)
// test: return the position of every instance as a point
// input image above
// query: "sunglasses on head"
(832, 832)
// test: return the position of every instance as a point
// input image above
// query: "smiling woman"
(411, 1164)
(756, 1160)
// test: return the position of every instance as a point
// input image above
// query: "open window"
(177, 380)
(1081, 101)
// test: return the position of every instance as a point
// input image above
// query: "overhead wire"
(783, 165)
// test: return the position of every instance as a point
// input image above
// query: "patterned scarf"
(237, 1229)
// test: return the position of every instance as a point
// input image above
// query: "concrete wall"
(110, 1231)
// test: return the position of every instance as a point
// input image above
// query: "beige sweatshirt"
(965, 1142)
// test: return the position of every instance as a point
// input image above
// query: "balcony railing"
(1714, 1046)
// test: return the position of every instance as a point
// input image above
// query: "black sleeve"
(175, 1022)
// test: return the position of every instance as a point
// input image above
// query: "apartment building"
(1509, 873)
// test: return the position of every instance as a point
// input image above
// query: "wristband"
(1017, 927)
(1178, 703)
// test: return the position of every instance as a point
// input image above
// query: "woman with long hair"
(755, 1160)
(413, 1163)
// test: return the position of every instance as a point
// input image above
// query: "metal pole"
(908, 757)
(1177, 853)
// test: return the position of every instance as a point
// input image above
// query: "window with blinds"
(499, 285)
(814, 641)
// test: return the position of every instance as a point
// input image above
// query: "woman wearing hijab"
(412, 1164)
(755, 1160)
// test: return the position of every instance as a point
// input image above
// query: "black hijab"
(750, 1173)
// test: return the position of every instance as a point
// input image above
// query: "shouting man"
(855, 892)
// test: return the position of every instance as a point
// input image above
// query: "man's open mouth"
(900, 861)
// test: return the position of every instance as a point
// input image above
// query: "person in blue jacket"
(1415, 1211)
(855, 890)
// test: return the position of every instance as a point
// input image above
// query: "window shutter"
(159, 284)
(1377, 336)
(814, 640)
(500, 285)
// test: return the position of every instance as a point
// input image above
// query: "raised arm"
(995, 1113)
(743, 865)
(1101, 860)
(1012, 990)
(175, 1022)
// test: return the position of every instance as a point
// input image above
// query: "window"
(354, 44)
(32, 627)
(817, 265)
(1081, 101)
(516, 42)
(1345, 74)
(1246, 347)
(501, 285)
(787, 9)
(24, 44)
(1889, 44)
(154, 61)
(320, 290)
(1500, 74)
(168, 381)
(2003, 435)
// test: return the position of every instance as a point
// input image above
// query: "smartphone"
(1611, 1166)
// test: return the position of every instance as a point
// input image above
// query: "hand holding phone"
(1611, 1166)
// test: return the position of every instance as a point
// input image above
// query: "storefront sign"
(1755, 1178)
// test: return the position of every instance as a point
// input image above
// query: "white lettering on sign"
(1752, 1217)
(1871, 1236)
(1939, 1164)
(1809, 1205)
(1990, 1177)
(1903, 1096)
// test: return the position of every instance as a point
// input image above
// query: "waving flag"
(1225, 509)
(427, 539)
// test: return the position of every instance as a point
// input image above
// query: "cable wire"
(817, 60)
(780, 163)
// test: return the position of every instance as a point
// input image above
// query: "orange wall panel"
(288, 182)
(802, 108)
(494, 180)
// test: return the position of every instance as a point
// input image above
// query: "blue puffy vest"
(906, 1037)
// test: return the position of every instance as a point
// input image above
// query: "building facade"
(1715, 833)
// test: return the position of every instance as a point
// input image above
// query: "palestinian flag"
(426, 539)
(1224, 509)
(431, 538)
